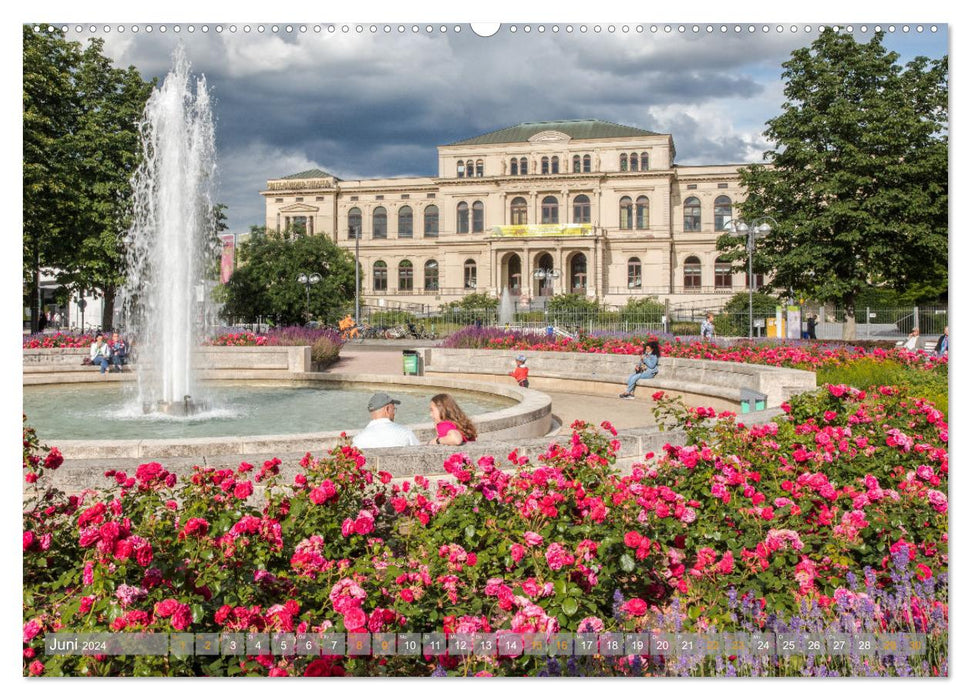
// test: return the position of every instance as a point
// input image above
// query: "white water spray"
(172, 228)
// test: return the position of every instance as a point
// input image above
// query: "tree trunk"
(849, 318)
(108, 309)
(35, 293)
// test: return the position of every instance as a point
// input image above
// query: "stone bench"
(606, 374)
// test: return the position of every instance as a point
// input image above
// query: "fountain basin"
(529, 416)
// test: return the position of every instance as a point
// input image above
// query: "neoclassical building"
(542, 208)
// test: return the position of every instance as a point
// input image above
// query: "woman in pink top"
(453, 427)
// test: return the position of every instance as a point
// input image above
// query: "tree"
(733, 319)
(571, 303)
(81, 144)
(473, 302)
(265, 283)
(857, 180)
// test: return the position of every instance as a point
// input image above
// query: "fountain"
(173, 225)
(507, 307)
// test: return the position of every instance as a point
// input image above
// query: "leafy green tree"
(265, 282)
(857, 178)
(645, 310)
(733, 319)
(81, 145)
(571, 303)
(473, 302)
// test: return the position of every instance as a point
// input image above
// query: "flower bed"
(796, 354)
(834, 518)
(57, 340)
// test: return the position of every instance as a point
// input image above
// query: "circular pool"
(112, 411)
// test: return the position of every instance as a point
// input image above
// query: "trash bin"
(752, 400)
(411, 362)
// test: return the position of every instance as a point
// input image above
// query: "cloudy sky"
(376, 103)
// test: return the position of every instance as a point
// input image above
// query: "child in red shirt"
(521, 373)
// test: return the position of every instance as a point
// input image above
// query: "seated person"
(119, 351)
(100, 353)
(452, 426)
(382, 431)
(646, 368)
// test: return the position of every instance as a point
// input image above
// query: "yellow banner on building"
(531, 230)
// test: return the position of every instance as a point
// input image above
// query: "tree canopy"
(265, 284)
(857, 180)
(81, 146)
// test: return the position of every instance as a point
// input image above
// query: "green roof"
(574, 128)
(314, 174)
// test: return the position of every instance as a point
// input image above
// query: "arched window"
(586, 164)
(578, 274)
(470, 274)
(623, 162)
(723, 274)
(576, 164)
(469, 172)
(634, 273)
(478, 217)
(405, 223)
(633, 161)
(545, 165)
(523, 168)
(514, 166)
(551, 211)
(692, 214)
(354, 223)
(431, 275)
(380, 276)
(431, 221)
(723, 212)
(626, 213)
(555, 164)
(479, 168)
(692, 273)
(581, 209)
(380, 222)
(406, 276)
(517, 212)
(644, 160)
(460, 169)
(642, 220)
(462, 218)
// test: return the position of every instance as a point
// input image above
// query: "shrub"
(325, 351)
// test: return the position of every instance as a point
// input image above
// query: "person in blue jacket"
(646, 367)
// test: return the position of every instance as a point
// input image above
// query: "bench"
(606, 374)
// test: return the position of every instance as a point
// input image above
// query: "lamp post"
(754, 230)
(307, 281)
(357, 274)
(546, 275)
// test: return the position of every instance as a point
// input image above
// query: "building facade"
(542, 208)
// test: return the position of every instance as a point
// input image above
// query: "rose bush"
(834, 517)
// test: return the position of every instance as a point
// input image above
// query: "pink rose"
(533, 539)
(517, 551)
(354, 618)
(635, 607)
(243, 490)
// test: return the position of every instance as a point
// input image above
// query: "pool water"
(85, 412)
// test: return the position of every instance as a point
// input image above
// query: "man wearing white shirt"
(382, 430)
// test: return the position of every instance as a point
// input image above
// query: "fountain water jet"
(173, 226)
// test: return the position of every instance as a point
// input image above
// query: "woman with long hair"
(452, 426)
(646, 367)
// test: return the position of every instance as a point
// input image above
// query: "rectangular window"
(380, 196)
(278, 200)
(406, 196)
(430, 195)
(692, 187)
(406, 279)
(723, 185)
(723, 275)
(380, 279)
(299, 199)
(353, 197)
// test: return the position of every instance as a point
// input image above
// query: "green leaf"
(570, 606)
(627, 563)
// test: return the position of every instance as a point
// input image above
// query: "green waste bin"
(411, 362)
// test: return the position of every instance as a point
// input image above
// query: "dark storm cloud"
(377, 105)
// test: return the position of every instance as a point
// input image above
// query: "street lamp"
(307, 281)
(546, 275)
(357, 274)
(754, 230)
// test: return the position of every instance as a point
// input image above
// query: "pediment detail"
(549, 136)
(298, 208)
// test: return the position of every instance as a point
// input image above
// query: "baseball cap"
(520, 358)
(380, 400)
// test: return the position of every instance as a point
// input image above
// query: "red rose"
(633, 539)
(243, 490)
(635, 607)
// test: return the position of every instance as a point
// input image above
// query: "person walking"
(647, 367)
(451, 423)
(811, 327)
(708, 328)
(382, 430)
